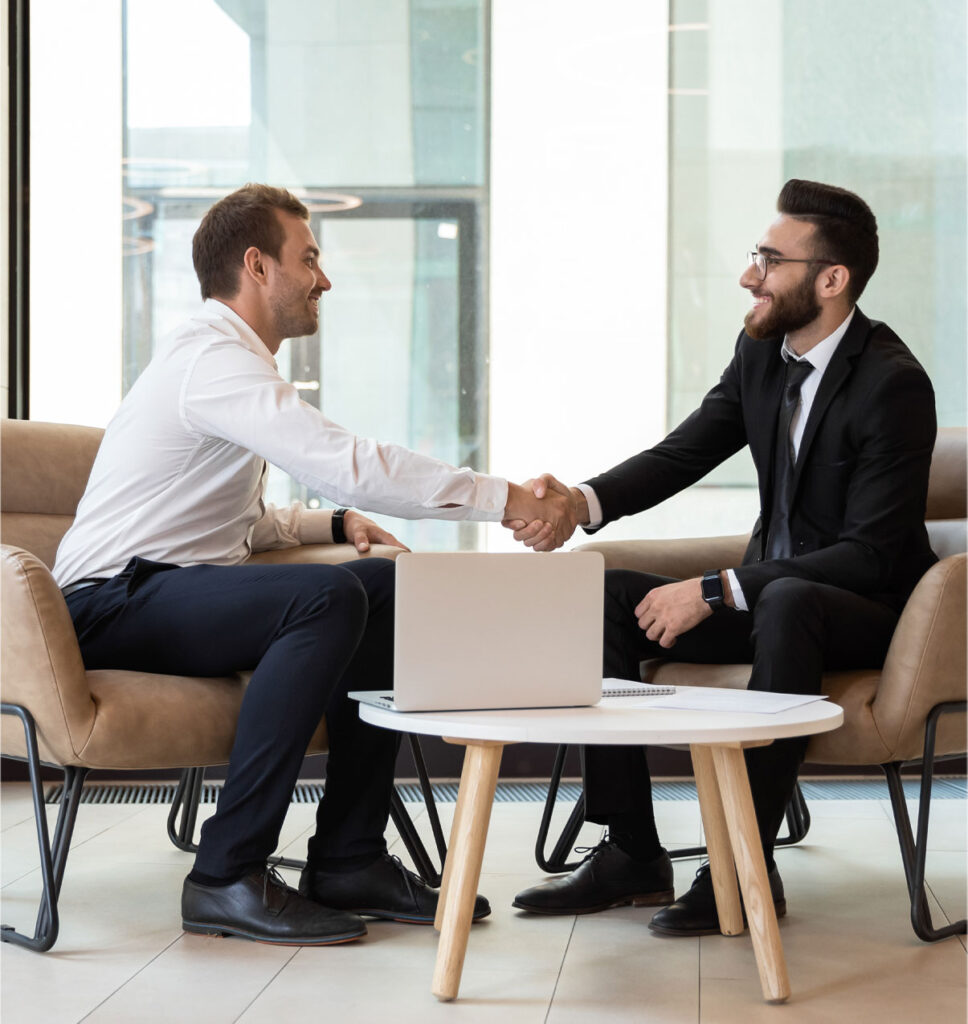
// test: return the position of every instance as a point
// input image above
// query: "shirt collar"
(820, 355)
(213, 309)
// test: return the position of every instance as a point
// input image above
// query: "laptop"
(488, 631)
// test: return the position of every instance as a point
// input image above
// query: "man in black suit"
(840, 421)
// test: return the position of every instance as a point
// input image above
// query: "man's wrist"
(581, 506)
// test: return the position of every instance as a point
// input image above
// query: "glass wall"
(374, 112)
(869, 95)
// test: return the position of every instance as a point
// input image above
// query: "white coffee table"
(716, 741)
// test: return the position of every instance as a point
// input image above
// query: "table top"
(609, 722)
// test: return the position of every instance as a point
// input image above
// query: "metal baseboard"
(946, 788)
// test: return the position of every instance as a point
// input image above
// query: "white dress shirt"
(819, 357)
(179, 476)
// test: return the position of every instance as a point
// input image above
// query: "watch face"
(712, 589)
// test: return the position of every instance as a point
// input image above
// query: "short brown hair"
(846, 229)
(241, 219)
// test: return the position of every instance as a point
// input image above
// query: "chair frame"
(54, 851)
(914, 847)
(189, 791)
(797, 818)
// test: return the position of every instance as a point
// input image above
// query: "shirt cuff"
(595, 515)
(737, 591)
(315, 526)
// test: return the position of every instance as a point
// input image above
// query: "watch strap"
(339, 531)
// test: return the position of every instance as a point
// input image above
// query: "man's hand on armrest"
(362, 532)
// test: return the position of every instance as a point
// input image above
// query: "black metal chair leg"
(556, 862)
(186, 799)
(914, 851)
(181, 831)
(418, 851)
(53, 857)
(797, 818)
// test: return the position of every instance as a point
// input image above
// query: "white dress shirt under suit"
(819, 357)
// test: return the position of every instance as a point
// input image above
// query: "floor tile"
(122, 957)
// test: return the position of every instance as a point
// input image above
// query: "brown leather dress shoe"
(262, 907)
(607, 877)
(694, 913)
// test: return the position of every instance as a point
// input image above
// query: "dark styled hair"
(241, 219)
(846, 229)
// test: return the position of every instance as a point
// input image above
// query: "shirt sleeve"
(291, 526)
(233, 394)
(594, 507)
(739, 600)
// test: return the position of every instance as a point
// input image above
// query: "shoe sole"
(198, 928)
(686, 932)
(384, 915)
(649, 899)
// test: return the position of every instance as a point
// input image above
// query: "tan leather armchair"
(912, 709)
(57, 713)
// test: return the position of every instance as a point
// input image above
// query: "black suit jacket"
(861, 476)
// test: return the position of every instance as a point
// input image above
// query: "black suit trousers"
(796, 630)
(310, 633)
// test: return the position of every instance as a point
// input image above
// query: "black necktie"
(779, 544)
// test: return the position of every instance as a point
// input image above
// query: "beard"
(293, 317)
(786, 312)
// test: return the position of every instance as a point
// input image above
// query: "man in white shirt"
(839, 418)
(151, 571)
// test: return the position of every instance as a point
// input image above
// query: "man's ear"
(254, 265)
(832, 281)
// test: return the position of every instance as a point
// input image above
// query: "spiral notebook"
(628, 688)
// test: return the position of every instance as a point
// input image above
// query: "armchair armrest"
(681, 558)
(926, 663)
(325, 554)
(41, 662)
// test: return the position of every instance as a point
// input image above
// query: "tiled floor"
(122, 957)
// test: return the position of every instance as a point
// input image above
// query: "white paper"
(716, 698)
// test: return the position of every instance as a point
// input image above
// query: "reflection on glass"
(377, 109)
(765, 92)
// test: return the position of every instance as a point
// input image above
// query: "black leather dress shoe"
(694, 913)
(383, 889)
(262, 907)
(607, 877)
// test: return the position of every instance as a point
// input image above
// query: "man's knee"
(787, 600)
(325, 593)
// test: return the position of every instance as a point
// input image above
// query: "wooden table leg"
(744, 835)
(721, 865)
(462, 872)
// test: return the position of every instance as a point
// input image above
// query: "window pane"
(374, 112)
(766, 92)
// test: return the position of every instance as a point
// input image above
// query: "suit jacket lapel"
(838, 370)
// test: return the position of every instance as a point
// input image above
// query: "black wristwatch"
(339, 533)
(712, 590)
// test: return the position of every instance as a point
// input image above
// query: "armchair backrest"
(947, 507)
(43, 472)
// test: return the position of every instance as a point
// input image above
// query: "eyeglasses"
(763, 262)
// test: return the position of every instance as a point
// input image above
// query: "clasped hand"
(542, 512)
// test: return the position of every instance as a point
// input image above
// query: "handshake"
(543, 512)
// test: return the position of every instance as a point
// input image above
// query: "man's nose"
(324, 281)
(750, 278)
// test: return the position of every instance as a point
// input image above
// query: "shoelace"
(272, 874)
(407, 874)
(590, 851)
